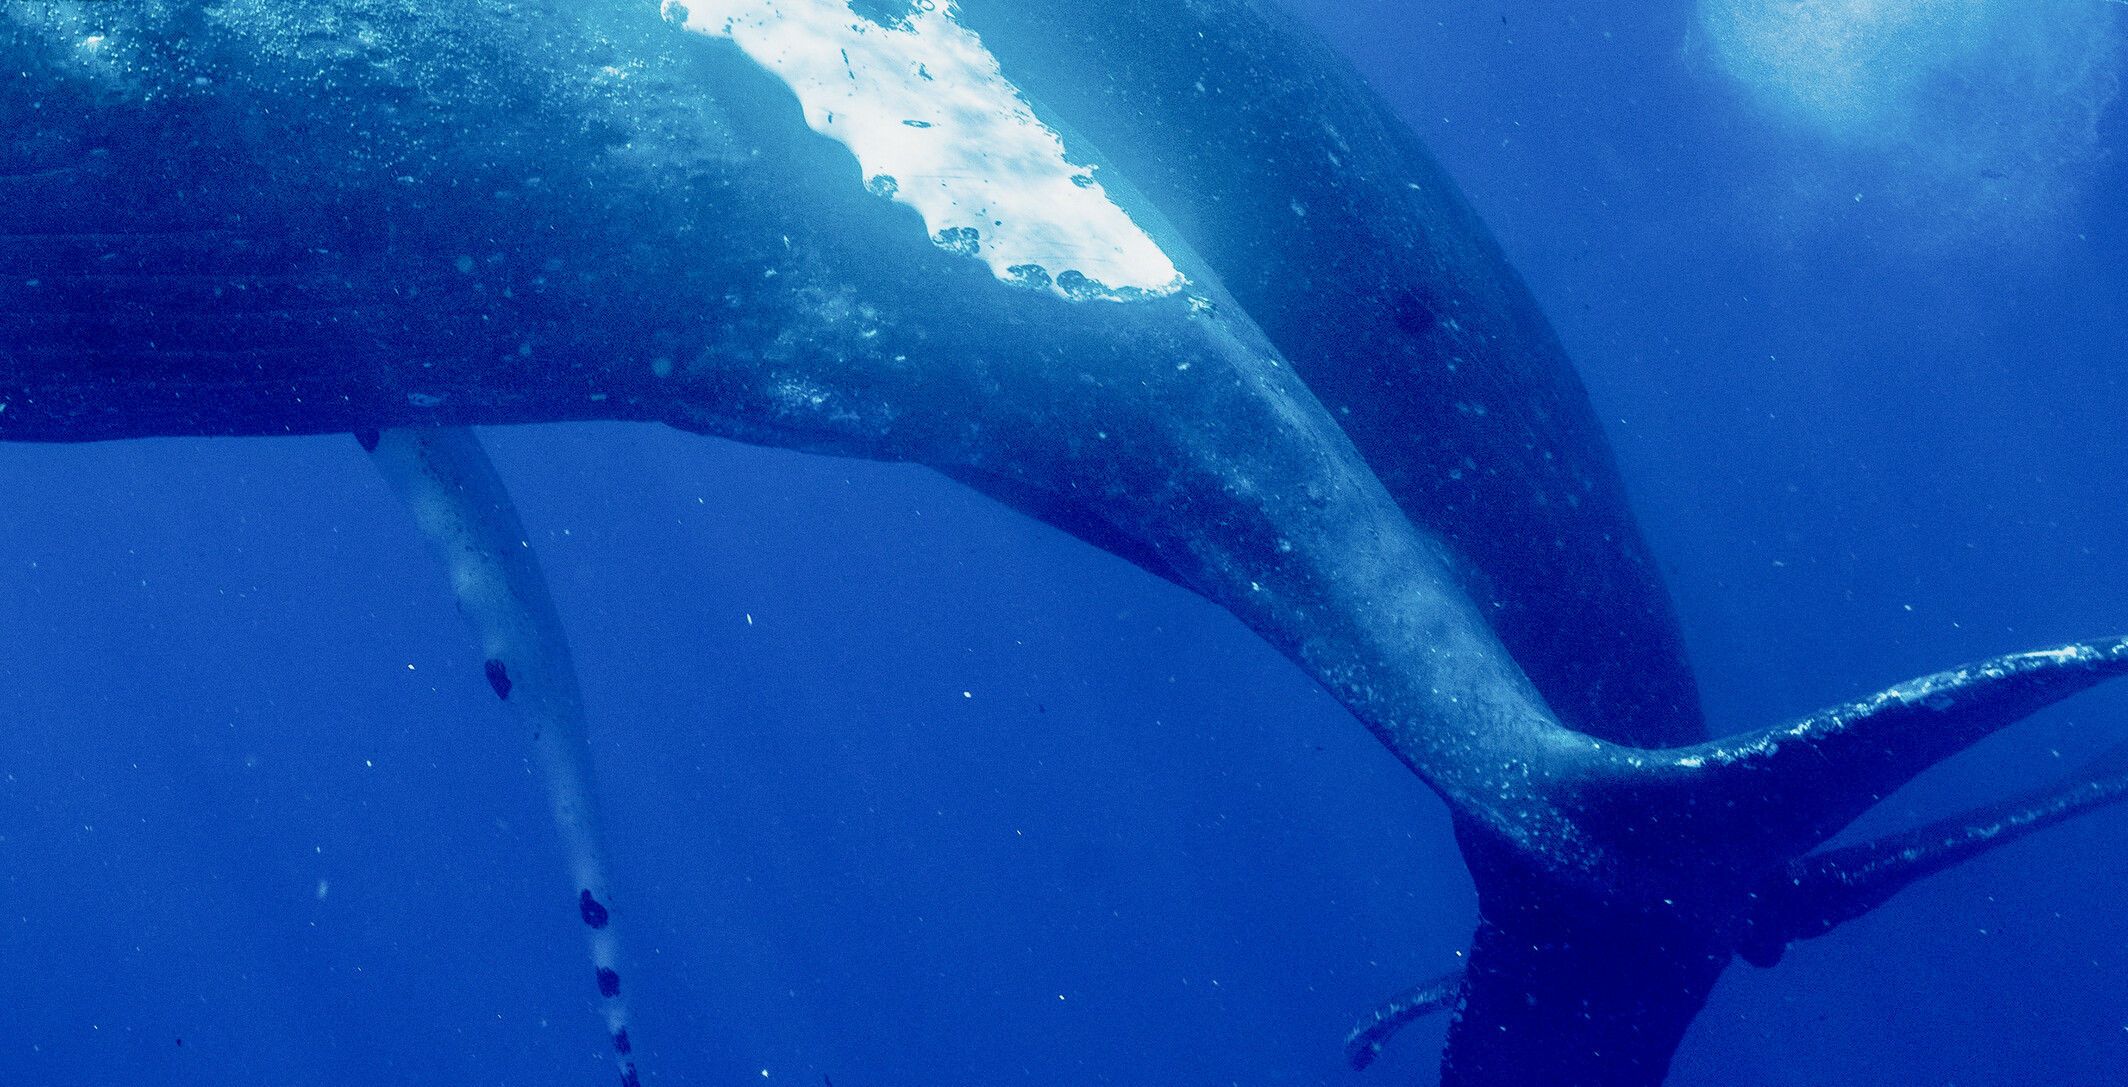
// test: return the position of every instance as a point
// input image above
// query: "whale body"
(1415, 333)
(1164, 275)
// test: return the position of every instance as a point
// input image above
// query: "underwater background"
(903, 789)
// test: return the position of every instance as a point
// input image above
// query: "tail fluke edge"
(1370, 1034)
(1818, 893)
(1762, 798)
(1705, 853)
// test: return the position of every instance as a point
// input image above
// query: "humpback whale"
(1165, 276)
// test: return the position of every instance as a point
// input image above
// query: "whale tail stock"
(1689, 857)
(444, 478)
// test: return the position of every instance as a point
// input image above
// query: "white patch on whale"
(935, 125)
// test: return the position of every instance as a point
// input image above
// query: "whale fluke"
(1370, 1034)
(1818, 893)
(1787, 789)
(465, 513)
(1815, 894)
(1601, 933)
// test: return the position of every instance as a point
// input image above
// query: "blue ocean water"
(906, 790)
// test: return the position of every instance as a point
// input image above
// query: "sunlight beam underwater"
(1348, 425)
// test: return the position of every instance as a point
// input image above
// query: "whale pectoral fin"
(465, 513)
(1782, 791)
(1815, 894)
(1370, 1034)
